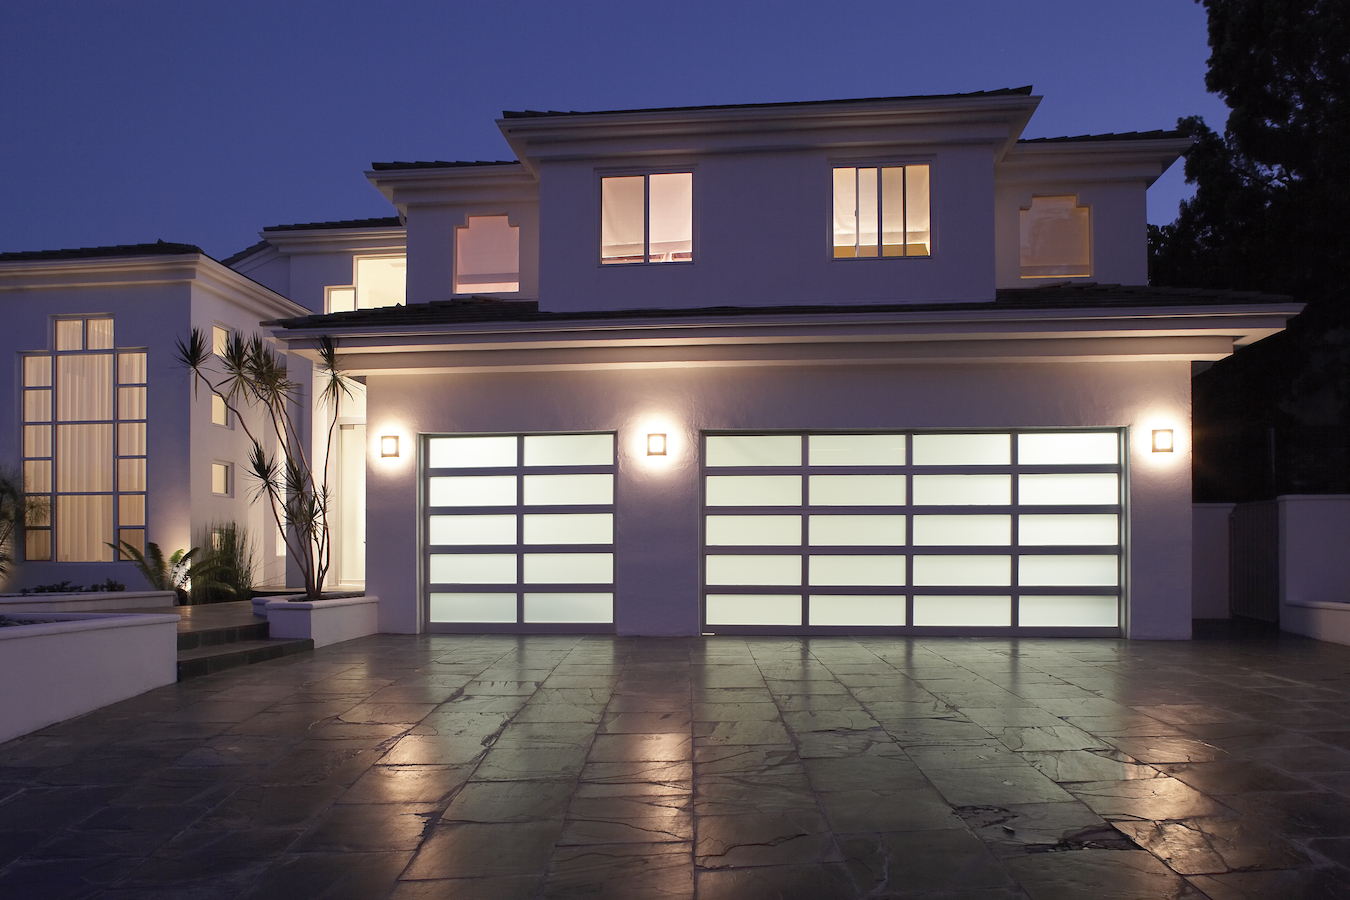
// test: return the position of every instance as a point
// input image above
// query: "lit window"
(647, 218)
(339, 299)
(220, 413)
(487, 256)
(84, 443)
(381, 281)
(220, 340)
(1055, 240)
(220, 478)
(881, 211)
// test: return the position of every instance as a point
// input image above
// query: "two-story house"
(829, 367)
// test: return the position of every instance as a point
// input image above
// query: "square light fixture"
(1162, 440)
(656, 445)
(389, 445)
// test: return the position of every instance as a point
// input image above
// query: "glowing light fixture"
(389, 445)
(656, 445)
(1162, 440)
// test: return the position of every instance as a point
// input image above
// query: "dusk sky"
(203, 122)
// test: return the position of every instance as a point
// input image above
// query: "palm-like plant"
(16, 510)
(253, 377)
(170, 574)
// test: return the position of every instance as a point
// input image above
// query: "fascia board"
(349, 240)
(1091, 161)
(1236, 325)
(738, 130)
(260, 257)
(144, 271)
(454, 184)
(968, 352)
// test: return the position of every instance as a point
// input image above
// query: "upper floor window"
(1055, 238)
(376, 281)
(84, 443)
(220, 339)
(647, 218)
(487, 256)
(881, 211)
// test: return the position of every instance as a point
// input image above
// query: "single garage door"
(1014, 531)
(519, 532)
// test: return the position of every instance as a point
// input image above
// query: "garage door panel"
(537, 545)
(924, 530)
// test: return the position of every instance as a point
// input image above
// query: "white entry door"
(988, 532)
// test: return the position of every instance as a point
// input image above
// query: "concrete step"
(225, 634)
(218, 657)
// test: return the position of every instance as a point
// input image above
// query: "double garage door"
(801, 532)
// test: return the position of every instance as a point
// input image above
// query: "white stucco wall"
(762, 233)
(657, 506)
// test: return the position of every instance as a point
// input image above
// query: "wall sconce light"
(1162, 440)
(389, 445)
(656, 445)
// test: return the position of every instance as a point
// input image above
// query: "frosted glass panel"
(569, 568)
(471, 452)
(1071, 448)
(754, 490)
(473, 608)
(578, 608)
(830, 610)
(754, 609)
(967, 531)
(569, 450)
(472, 490)
(1040, 531)
(962, 490)
(857, 449)
(754, 450)
(584, 528)
(1084, 571)
(962, 449)
(1091, 489)
(962, 570)
(473, 568)
(857, 570)
(469, 530)
(754, 569)
(569, 490)
(963, 611)
(1068, 612)
(857, 490)
(860, 531)
(748, 531)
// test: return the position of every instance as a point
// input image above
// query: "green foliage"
(251, 376)
(16, 510)
(233, 574)
(108, 586)
(170, 574)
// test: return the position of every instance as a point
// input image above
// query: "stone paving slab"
(725, 767)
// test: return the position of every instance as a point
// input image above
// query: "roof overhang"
(837, 338)
(1124, 160)
(196, 270)
(451, 185)
(997, 118)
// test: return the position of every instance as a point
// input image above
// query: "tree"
(1272, 205)
(1271, 213)
(253, 378)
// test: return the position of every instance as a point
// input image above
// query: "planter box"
(322, 621)
(73, 663)
(85, 602)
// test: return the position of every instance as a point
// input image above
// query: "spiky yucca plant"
(252, 376)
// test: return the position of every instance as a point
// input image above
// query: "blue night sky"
(125, 122)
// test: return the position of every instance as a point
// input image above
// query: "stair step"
(219, 657)
(228, 634)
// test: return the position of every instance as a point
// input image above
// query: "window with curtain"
(84, 445)
(881, 211)
(647, 218)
